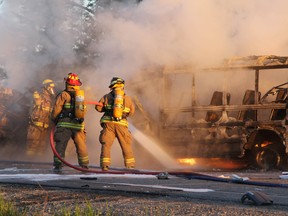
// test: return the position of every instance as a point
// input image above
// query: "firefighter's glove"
(55, 120)
(79, 120)
(125, 115)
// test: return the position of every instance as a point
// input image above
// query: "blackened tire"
(267, 158)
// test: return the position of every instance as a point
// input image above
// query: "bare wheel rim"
(267, 158)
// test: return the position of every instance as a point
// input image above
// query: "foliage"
(8, 209)
(79, 211)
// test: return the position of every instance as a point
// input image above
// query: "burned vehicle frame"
(14, 108)
(217, 133)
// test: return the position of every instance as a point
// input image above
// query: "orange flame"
(213, 163)
(187, 161)
(265, 143)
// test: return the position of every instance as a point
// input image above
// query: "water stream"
(153, 148)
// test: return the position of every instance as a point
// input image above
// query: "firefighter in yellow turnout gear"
(39, 120)
(117, 106)
(68, 115)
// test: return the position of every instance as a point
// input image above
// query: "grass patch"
(8, 209)
(87, 210)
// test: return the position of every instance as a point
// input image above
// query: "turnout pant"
(107, 136)
(37, 140)
(61, 139)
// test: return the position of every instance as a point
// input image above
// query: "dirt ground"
(36, 200)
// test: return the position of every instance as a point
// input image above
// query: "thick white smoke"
(202, 32)
(37, 39)
(39, 33)
(34, 34)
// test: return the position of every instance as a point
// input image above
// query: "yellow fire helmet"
(49, 85)
(49, 82)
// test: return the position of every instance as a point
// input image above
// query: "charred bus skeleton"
(14, 107)
(251, 129)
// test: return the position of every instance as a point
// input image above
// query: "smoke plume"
(38, 40)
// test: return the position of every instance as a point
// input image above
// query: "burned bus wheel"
(266, 158)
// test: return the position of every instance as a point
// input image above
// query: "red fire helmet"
(73, 79)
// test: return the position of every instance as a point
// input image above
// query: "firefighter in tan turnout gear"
(68, 115)
(117, 106)
(39, 120)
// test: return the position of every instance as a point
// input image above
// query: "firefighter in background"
(117, 106)
(69, 121)
(39, 119)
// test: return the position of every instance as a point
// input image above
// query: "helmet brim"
(74, 83)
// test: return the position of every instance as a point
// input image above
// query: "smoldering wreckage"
(217, 130)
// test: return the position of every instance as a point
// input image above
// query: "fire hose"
(183, 174)
(187, 175)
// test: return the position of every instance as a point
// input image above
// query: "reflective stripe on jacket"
(40, 124)
(71, 125)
